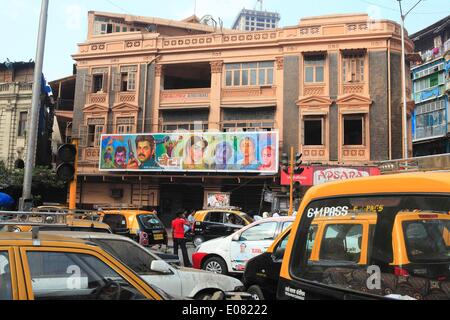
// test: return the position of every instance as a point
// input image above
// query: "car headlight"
(197, 249)
(16, 229)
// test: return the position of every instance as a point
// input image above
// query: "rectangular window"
(354, 130)
(253, 74)
(314, 69)
(125, 125)
(313, 131)
(22, 124)
(353, 68)
(97, 83)
(128, 78)
(95, 129)
(250, 125)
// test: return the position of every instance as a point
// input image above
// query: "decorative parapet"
(216, 66)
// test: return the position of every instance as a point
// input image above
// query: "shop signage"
(315, 175)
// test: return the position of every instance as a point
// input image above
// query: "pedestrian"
(275, 214)
(178, 237)
(265, 215)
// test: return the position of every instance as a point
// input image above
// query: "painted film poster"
(255, 152)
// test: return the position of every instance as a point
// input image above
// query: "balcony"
(180, 97)
(97, 98)
(353, 88)
(314, 153)
(313, 90)
(126, 97)
(355, 153)
(15, 88)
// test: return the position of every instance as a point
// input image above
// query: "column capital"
(280, 62)
(158, 70)
(216, 66)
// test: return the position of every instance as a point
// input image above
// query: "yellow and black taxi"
(142, 226)
(218, 222)
(371, 238)
(35, 266)
(262, 272)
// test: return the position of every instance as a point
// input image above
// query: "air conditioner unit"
(116, 193)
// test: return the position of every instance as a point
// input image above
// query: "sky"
(67, 20)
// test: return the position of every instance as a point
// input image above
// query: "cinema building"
(330, 86)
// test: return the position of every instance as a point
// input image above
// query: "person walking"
(178, 237)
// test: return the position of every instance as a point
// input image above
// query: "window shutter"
(88, 83)
(83, 136)
(116, 81)
(105, 82)
(131, 86)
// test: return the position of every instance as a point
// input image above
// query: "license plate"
(158, 236)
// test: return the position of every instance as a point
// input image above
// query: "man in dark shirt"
(178, 237)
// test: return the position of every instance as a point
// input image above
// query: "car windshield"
(150, 221)
(115, 221)
(427, 240)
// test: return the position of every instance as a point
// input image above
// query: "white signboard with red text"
(315, 175)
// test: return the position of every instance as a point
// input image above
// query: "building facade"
(430, 77)
(255, 20)
(16, 82)
(330, 86)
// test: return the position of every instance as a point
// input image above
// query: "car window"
(425, 240)
(115, 221)
(138, 259)
(341, 242)
(150, 221)
(215, 216)
(262, 231)
(234, 219)
(312, 232)
(282, 244)
(286, 225)
(68, 276)
(391, 245)
(5, 277)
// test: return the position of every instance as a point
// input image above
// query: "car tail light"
(442, 278)
(400, 272)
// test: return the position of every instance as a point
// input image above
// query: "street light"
(405, 121)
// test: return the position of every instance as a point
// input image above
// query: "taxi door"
(250, 243)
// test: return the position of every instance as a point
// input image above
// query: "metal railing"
(439, 162)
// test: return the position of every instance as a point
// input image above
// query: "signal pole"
(73, 183)
(291, 183)
(35, 107)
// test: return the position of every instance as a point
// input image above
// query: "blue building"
(430, 121)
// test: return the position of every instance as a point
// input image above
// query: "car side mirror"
(160, 266)
(236, 237)
(278, 254)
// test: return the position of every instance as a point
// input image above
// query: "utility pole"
(35, 107)
(405, 118)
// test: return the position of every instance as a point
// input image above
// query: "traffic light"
(284, 162)
(66, 155)
(297, 188)
(298, 162)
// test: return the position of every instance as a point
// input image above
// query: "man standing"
(178, 237)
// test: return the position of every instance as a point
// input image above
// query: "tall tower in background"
(253, 20)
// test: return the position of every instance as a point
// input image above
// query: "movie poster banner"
(254, 152)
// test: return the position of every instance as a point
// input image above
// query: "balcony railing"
(15, 87)
(100, 98)
(126, 97)
(182, 96)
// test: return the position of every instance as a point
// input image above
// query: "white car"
(230, 254)
(176, 281)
